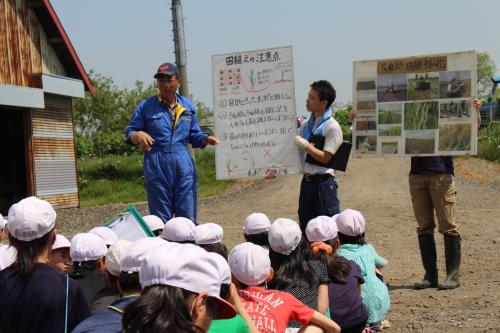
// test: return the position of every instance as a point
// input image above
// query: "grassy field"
(119, 179)
(421, 116)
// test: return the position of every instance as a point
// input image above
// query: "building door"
(13, 185)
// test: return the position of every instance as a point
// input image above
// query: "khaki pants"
(434, 193)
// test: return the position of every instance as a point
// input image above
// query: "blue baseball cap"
(167, 69)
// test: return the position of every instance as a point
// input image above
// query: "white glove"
(300, 142)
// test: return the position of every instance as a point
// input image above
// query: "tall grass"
(119, 179)
(454, 137)
(419, 116)
(389, 117)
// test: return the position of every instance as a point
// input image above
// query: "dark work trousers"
(318, 196)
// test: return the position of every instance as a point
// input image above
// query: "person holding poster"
(432, 189)
(318, 189)
(163, 126)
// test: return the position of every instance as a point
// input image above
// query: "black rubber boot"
(453, 255)
(428, 253)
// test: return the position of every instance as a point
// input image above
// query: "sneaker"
(376, 327)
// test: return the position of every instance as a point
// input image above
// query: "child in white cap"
(295, 272)
(2, 225)
(256, 229)
(109, 319)
(270, 310)
(179, 230)
(35, 297)
(344, 289)
(154, 223)
(8, 256)
(181, 292)
(241, 323)
(351, 233)
(209, 237)
(107, 235)
(87, 252)
(59, 257)
(110, 292)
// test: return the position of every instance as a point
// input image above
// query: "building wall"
(24, 47)
(54, 163)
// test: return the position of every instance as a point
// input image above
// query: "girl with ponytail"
(344, 290)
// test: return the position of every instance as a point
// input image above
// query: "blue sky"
(128, 39)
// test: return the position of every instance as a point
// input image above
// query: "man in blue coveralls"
(163, 126)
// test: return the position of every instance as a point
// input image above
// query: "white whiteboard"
(419, 105)
(254, 112)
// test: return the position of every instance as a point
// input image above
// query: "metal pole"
(180, 46)
(180, 52)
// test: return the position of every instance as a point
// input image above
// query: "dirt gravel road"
(379, 188)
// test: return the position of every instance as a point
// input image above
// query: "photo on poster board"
(454, 137)
(454, 84)
(254, 112)
(423, 103)
(423, 86)
(455, 110)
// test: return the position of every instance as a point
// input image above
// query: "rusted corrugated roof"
(64, 49)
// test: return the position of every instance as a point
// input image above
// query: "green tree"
(486, 68)
(100, 121)
(205, 114)
(342, 113)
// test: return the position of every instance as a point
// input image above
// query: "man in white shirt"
(318, 190)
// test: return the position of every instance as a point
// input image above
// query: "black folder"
(338, 161)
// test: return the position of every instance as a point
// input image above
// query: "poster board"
(419, 105)
(130, 225)
(254, 112)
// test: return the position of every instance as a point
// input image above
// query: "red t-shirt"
(271, 310)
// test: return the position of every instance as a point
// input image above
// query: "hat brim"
(226, 309)
(157, 75)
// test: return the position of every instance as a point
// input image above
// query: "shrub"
(489, 142)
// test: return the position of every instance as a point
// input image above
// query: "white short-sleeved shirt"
(333, 140)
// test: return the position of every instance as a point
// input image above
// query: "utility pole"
(180, 46)
(180, 52)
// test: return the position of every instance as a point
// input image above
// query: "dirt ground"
(379, 189)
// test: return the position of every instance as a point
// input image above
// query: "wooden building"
(40, 73)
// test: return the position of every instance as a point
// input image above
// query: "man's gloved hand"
(300, 142)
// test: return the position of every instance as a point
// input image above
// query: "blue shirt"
(108, 320)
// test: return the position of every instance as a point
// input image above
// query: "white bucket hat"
(284, 236)
(61, 242)
(87, 247)
(185, 266)
(138, 252)
(321, 229)
(154, 222)
(250, 264)
(179, 229)
(350, 222)
(208, 233)
(256, 223)
(222, 267)
(30, 219)
(115, 255)
(108, 236)
(8, 256)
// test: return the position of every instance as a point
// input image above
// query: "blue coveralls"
(169, 171)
